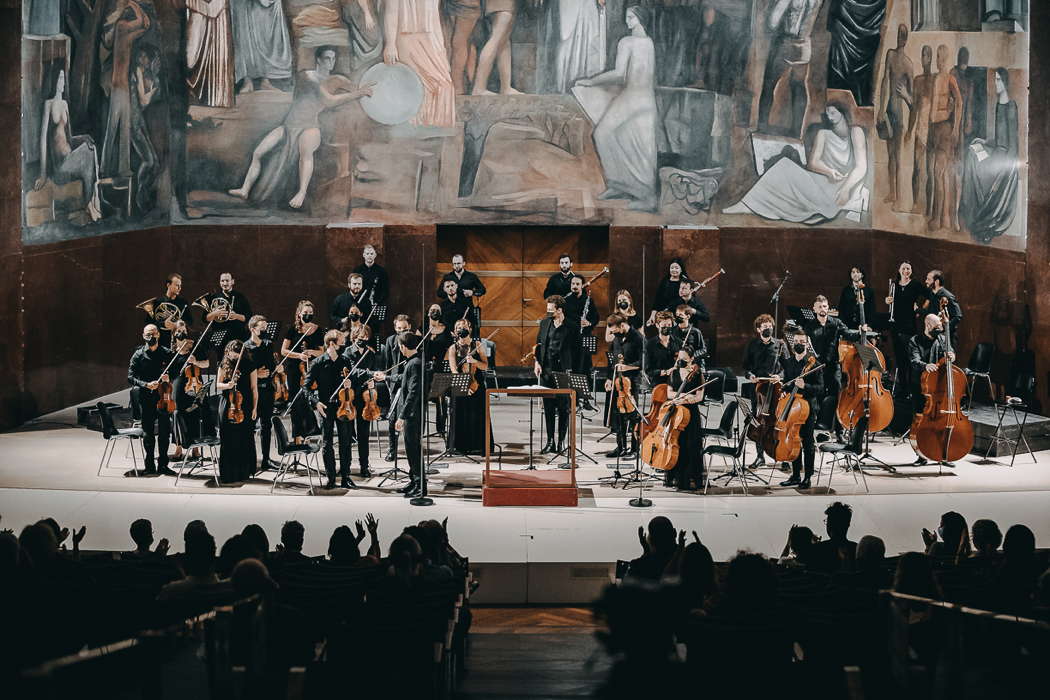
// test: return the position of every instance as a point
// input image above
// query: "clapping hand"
(642, 540)
(373, 524)
(928, 537)
(78, 536)
(162, 546)
(360, 528)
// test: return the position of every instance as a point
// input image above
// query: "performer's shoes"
(548, 448)
(366, 473)
(618, 452)
(415, 492)
(919, 462)
(330, 485)
(410, 487)
(166, 471)
(389, 456)
(793, 481)
(804, 484)
(347, 484)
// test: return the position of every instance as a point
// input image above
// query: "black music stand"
(215, 344)
(271, 330)
(607, 410)
(379, 313)
(456, 385)
(740, 470)
(578, 383)
(870, 359)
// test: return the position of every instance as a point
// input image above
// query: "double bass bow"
(863, 392)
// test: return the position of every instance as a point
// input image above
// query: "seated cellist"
(810, 389)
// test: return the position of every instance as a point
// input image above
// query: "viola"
(166, 402)
(464, 367)
(346, 411)
(622, 387)
(863, 384)
(942, 432)
(234, 398)
(280, 384)
(192, 373)
(784, 441)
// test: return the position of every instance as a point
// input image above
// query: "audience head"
(250, 577)
(915, 576)
(986, 536)
(194, 528)
(953, 531)
(434, 541)
(639, 620)
(696, 569)
(234, 550)
(8, 553)
(837, 518)
(200, 554)
(661, 535)
(53, 525)
(871, 552)
(404, 557)
(750, 581)
(292, 535)
(38, 544)
(142, 533)
(342, 546)
(1019, 544)
(256, 536)
(801, 538)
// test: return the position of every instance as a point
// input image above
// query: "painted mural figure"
(300, 134)
(412, 35)
(920, 103)
(366, 32)
(497, 50)
(855, 26)
(209, 52)
(574, 35)
(787, 68)
(463, 18)
(715, 48)
(833, 181)
(64, 157)
(144, 88)
(945, 123)
(262, 47)
(894, 96)
(990, 170)
(124, 25)
(625, 131)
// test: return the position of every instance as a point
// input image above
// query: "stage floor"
(48, 468)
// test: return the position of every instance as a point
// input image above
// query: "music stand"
(870, 359)
(271, 330)
(739, 470)
(439, 384)
(458, 387)
(589, 343)
(379, 313)
(578, 383)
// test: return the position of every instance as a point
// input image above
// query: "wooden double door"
(514, 264)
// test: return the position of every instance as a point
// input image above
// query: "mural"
(906, 115)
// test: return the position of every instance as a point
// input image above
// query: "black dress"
(689, 472)
(468, 414)
(304, 421)
(237, 440)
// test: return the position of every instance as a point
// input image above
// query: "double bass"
(942, 432)
(863, 384)
(783, 441)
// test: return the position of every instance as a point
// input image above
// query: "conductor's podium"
(530, 487)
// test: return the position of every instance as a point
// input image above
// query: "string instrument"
(192, 372)
(767, 396)
(659, 398)
(345, 393)
(308, 329)
(234, 398)
(370, 410)
(863, 383)
(279, 381)
(697, 286)
(622, 387)
(660, 447)
(784, 442)
(165, 400)
(530, 355)
(464, 367)
(942, 432)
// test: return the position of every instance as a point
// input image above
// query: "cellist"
(628, 344)
(810, 389)
(925, 350)
(145, 372)
(762, 359)
(686, 375)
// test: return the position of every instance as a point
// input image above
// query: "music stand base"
(421, 501)
(640, 502)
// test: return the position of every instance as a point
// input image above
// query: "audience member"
(235, 550)
(658, 546)
(692, 571)
(250, 577)
(800, 548)
(1016, 581)
(290, 549)
(952, 540)
(200, 581)
(142, 536)
(257, 536)
(915, 576)
(837, 553)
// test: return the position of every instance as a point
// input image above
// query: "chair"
(289, 453)
(850, 452)
(734, 452)
(724, 431)
(202, 442)
(980, 367)
(111, 434)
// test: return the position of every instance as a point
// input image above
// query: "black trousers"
(156, 425)
(265, 411)
(360, 428)
(555, 410)
(808, 455)
(902, 363)
(304, 422)
(391, 433)
(330, 427)
(412, 450)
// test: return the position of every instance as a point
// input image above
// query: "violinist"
(303, 341)
(580, 306)
(849, 313)
(391, 356)
(560, 283)
(358, 340)
(237, 438)
(904, 303)
(454, 306)
(624, 307)
(925, 350)
(168, 309)
(228, 309)
(356, 353)
(322, 382)
(937, 290)
(685, 330)
(467, 415)
(259, 352)
(356, 297)
(824, 332)
(188, 404)
(627, 343)
(810, 389)
(407, 411)
(353, 325)
(686, 375)
(667, 290)
(145, 374)
(661, 350)
(557, 350)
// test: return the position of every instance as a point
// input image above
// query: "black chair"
(980, 367)
(112, 434)
(724, 431)
(849, 452)
(202, 441)
(735, 453)
(289, 453)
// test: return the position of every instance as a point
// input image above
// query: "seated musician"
(925, 350)
(661, 350)
(686, 375)
(627, 349)
(557, 350)
(810, 389)
(761, 359)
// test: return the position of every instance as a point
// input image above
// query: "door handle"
(525, 302)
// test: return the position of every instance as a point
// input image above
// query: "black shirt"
(700, 312)
(468, 281)
(261, 357)
(558, 347)
(342, 303)
(574, 312)
(147, 365)
(165, 309)
(690, 335)
(667, 293)
(452, 311)
(435, 347)
(905, 305)
(238, 304)
(558, 284)
(630, 346)
(849, 311)
(955, 313)
(924, 350)
(814, 381)
(658, 357)
(825, 338)
(407, 407)
(352, 352)
(376, 283)
(760, 359)
(328, 375)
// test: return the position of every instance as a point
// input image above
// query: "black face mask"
(665, 331)
(682, 320)
(462, 333)
(767, 332)
(680, 364)
(354, 317)
(434, 315)
(307, 318)
(935, 332)
(181, 335)
(152, 341)
(799, 348)
(624, 304)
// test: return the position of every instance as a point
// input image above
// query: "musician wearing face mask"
(762, 358)
(624, 306)
(627, 343)
(468, 284)
(557, 350)
(810, 389)
(354, 327)
(391, 356)
(302, 342)
(560, 283)
(580, 308)
(908, 294)
(686, 376)
(685, 330)
(146, 371)
(229, 309)
(237, 438)
(355, 297)
(435, 346)
(688, 298)
(189, 395)
(168, 309)
(259, 351)
(454, 306)
(467, 413)
(824, 332)
(925, 350)
(357, 353)
(661, 350)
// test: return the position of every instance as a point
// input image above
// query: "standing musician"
(624, 306)
(557, 350)
(145, 369)
(904, 303)
(560, 283)
(686, 375)
(685, 330)
(924, 351)
(935, 285)
(356, 353)
(661, 350)
(762, 358)
(375, 280)
(688, 298)
(344, 304)
(627, 343)
(298, 354)
(468, 283)
(580, 307)
(810, 389)
(454, 305)
(190, 408)
(259, 354)
(667, 290)
(167, 310)
(407, 411)
(391, 355)
(848, 311)
(237, 438)
(824, 333)
(467, 356)
(355, 330)
(229, 309)
(435, 347)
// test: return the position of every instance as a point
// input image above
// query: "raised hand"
(360, 528)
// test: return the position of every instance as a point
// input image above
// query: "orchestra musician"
(762, 359)
(810, 389)
(627, 342)
(580, 306)
(685, 330)
(848, 311)
(168, 309)
(624, 306)
(557, 350)
(189, 406)
(686, 375)
(454, 306)
(667, 290)
(435, 346)
(407, 411)
(374, 280)
(357, 353)
(468, 283)
(824, 333)
(297, 364)
(907, 294)
(925, 350)
(237, 439)
(259, 353)
(355, 296)
(391, 355)
(229, 309)
(935, 285)
(661, 350)
(560, 283)
(145, 373)
(688, 298)
(467, 356)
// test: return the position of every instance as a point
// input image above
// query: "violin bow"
(363, 356)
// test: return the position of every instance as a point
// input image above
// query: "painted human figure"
(896, 86)
(412, 35)
(123, 27)
(462, 17)
(209, 52)
(497, 49)
(945, 124)
(574, 39)
(144, 88)
(790, 24)
(262, 47)
(919, 103)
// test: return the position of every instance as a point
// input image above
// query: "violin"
(165, 401)
(370, 411)
(622, 387)
(192, 373)
(346, 411)
(863, 383)
(660, 448)
(280, 383)
(280, 378)
(942, 432)
(234, 398)
(784, 441)
(464, 367)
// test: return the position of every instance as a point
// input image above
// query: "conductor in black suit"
(557, 350)
(407, 412)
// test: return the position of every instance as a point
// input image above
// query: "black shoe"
(268, 464)
(149, 466)
(548, 448)
(618, 452)
(389, 456)
(366, 473)
(330, 485)
(166, 471)
(919, 462)
(347, 483)
(416, 492)
(588, 406)
(793, 481)
(412, 486)
(804, 485)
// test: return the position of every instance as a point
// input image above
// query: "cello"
(942, 432)
(783, 442)
(660, 448)
(659, 398)
(863, 384)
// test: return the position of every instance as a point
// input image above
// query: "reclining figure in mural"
(831, 183)
(299, 135)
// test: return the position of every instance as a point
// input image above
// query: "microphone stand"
(423, 499)
(775, 300)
